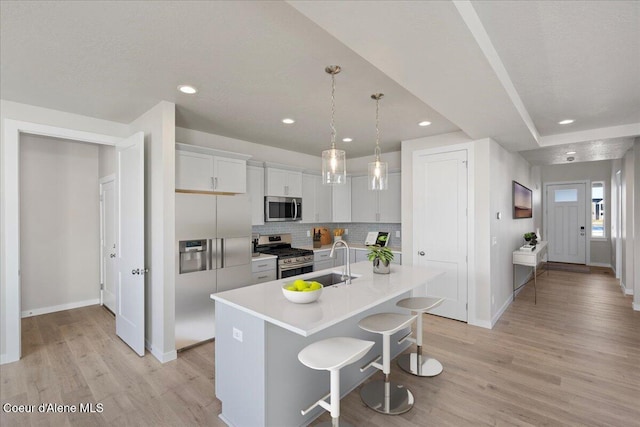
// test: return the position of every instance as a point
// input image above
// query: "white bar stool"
(331, 355)
(384, 396)
(416, 363)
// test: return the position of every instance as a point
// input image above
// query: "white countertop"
(263, 257)
(337, 303)
(352, 246)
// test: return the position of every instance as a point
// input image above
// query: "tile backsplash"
(357, 231)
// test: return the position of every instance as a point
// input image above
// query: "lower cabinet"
(264, 270)
(322, 260)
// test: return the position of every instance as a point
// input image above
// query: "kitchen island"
(259, 333)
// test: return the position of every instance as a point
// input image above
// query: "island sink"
(330, 279)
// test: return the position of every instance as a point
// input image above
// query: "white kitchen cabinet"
(255, 189)
(322, 260)
(339, 259)
(316, 200)
(341, 206)
(194, 171)
(264, 270)
(375, 206)
(283, 182)
(229, 175)
(207, 169)
(361, 255)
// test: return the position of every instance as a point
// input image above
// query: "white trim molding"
(61, 307)
(162, 357)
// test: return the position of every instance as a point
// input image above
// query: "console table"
(530, 259)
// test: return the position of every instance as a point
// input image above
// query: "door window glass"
(597, 210)
(568, 195)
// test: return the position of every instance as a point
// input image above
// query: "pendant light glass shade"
(378, 178)
(334, 161)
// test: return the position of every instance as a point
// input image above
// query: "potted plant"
(531, 238)
(381, 257)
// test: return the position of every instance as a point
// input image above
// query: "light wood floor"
(572, 359)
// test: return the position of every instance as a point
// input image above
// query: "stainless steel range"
(291, 261)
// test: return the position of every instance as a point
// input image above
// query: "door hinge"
(466, 306)
(101, 286)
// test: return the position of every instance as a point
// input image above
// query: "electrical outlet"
(237, 334)
(398, 234)
(494, 241)
(346, 231)
(308, 233)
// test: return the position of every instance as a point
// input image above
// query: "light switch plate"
(237, 334)
(398, 234)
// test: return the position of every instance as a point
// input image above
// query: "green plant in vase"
(381, 258)
(531, 238)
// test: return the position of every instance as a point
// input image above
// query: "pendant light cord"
(377, 151)
(333, 111)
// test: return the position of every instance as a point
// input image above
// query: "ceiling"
(507, 70)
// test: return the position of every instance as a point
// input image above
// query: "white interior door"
(108, 241)
(440, 224)
(566, 222)
(130, 241)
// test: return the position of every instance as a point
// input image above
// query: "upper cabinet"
(375, 206)
(255, 189)
(206, 169)
(316, 199)
(341, 201)
(283, 182)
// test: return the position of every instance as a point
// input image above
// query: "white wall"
(59, 224)
(616, 165)
(158, 125)
(106, 160)
(10, 114)
(258, 152)
(636, 225)
(507, 232)
(593, 171)
(360, 165)
(628, 220)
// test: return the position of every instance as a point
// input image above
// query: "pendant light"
(377, 168)
(334, 164)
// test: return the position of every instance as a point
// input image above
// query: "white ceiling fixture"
(334, 161)
(570, 152)
(188, 89)
(424, 123)
(566, 122)
(347, 139)
(377, 169)
(288, 121)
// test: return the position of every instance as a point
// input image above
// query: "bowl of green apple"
(301, 291)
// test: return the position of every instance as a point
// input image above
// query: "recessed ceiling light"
(347, 139)
(570, 159)
(571, 152)
(189, 90)
(288, 121)
(424, 123)
(566, 122)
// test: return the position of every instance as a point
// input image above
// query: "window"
(570, 195)
(597, 210)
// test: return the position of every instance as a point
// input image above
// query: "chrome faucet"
(346, 272)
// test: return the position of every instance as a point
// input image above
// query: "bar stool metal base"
(387, 397)
(331, 424)
(420, 365)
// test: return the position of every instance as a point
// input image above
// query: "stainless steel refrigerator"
(213, 254)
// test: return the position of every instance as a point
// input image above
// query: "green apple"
(291, 288)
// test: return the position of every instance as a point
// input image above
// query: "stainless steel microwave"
(282, 209)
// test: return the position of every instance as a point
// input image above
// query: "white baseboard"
(624, 289)
(481, 323)
(4, 359)
(636, 306)
(600, 264)
(61, 307)
(501, 311)
(162, 357)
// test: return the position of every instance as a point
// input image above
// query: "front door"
(130, 241)
(566, 222)
(108, 227)
(440, 224)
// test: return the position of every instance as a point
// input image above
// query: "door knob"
(112, 255)
(421, 253)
